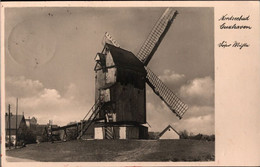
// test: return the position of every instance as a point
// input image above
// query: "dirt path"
(134, 155)
(14, 159)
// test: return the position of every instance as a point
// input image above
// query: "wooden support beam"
(9, 121)
(77, 129)
(65, 135)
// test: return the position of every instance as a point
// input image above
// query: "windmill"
(119, 111)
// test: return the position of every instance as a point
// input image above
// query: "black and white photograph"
(109, 84)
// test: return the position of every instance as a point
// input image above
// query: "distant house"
(11, 128)
(31, 123)
(169, 133)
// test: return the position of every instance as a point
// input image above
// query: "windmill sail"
(109, 39)
(170, 99)
(156, 35)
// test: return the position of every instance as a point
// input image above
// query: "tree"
(184, 134)
(26, 135)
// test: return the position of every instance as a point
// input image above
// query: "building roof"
(20, 118)
(125, 59)
(168, 127)
(32, 120)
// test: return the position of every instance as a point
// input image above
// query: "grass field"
(118, 151)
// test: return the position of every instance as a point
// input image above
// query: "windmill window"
(169, 130)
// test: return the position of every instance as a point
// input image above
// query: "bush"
(184, 135)
(71, 134)
(27, 136)
(212, 138)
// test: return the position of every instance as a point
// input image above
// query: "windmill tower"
(120, 93)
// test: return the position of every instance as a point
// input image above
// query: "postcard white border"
(238, 153)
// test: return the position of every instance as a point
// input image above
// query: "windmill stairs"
(83, 125)
(95, 109)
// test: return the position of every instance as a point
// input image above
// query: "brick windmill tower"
(120, 93)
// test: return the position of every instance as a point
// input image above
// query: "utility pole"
(16, 122)
(9, 121)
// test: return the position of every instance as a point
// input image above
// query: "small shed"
(169, 133)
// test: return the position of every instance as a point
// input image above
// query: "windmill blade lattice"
(170, 99)
(156, 35)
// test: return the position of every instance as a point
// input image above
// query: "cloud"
(71, 91)
(201, 124)
(171, 76)
(197, 111)
(199, 91)
(21, 87)
(172, 79)
(44, 103)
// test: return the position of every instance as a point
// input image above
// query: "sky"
(49, 61)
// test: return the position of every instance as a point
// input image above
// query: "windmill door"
(105, 95)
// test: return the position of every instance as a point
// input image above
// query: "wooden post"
(65, 135)
(51, 134)
(47, 133)
(77, 129)
(9, 121)
(81, 128)
(16, 122)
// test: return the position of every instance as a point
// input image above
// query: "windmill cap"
(125, 59)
